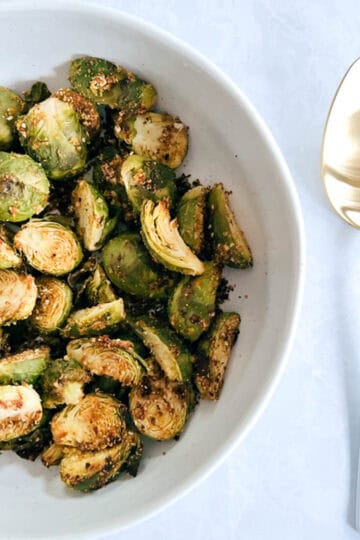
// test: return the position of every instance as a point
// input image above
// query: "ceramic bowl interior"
(229, 143)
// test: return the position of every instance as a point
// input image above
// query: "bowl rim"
(288, 184)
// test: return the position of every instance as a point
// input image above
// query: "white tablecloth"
(293, 476)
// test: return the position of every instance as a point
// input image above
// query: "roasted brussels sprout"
(144, 179)
(162, 238)
(11, 105)
(31, 445)
(192, 303)
(24, 187)
(113, 358)
(98, 288)
(17, 296)
(213, 354)
(49, 247)
(87, 111)
(159, 407)
(229, 243)
(191, 217)
(92, 215)
(160, 137)
(8, 256)
(53, 304)
(87, 471)
(174, 358)
(96, 422)
(129, 266)
(20, 411)
(105, 83)
(94, 320)
(52, 134)
(24, 367)
(63, 383)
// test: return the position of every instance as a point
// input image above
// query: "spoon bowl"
(340, 165)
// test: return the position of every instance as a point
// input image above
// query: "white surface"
(292, 478)
(228, 141)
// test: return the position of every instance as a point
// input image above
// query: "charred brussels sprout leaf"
(113, 358)
(49, 247)
(63, 383)
(24, 187)
(229, 242)
(160, 137)
(11, 105)
(20, 411)
(214, 352)
(191, 217)
(108, 84)
(26, 366)
(53, 304)
(162, 238)
(98, 288)
(144, 179)
(159, 407)
(53, 455)
(52, 134)
(37, 93)
(95, 423)
(169, 351)
(17, 296)
(87, 111)
(94, 320)
(87, 471)
(129, 266)
(8, 256)
(92, 215)
(192, 303)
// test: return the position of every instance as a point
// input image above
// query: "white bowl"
(229, 142)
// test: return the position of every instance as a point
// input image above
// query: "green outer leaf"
(170, 352)
(192, 303)
(229, 242)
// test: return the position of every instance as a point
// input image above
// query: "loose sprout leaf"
(37, 93)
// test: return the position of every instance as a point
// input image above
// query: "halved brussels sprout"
(31, 445)
(169, 351)
(192, 303)
(24, 187)
(191, 217)
(108, 84)
(94, 320)
(159, 407)
(11, 105)
(229, 242)
(160, 137)
(113, 358)
(49, 247)
(144, 179)
(130, 267)
(53, 455)
(92, 214)
(162, 238)
(52, 134)
(87, 111)
(96, 422)
(18, 294)
(214, 352)
(53, 304)
(24, 367)
(98, 288)
(20, 411)
(8, 256)
(63, 383)
(87, 471)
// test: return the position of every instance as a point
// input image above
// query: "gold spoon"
(340, 167)
(340, 156)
